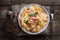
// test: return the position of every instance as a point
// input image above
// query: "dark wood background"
(6, 4)
(43, 2)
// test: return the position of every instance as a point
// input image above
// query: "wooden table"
(4, 35)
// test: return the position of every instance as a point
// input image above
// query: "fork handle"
(51, 26)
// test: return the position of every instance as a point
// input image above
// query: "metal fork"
(51, 21)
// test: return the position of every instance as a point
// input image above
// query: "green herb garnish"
(26, 21)
(36, 13)
(31, 14)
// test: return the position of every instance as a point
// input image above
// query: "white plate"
(42, 28)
